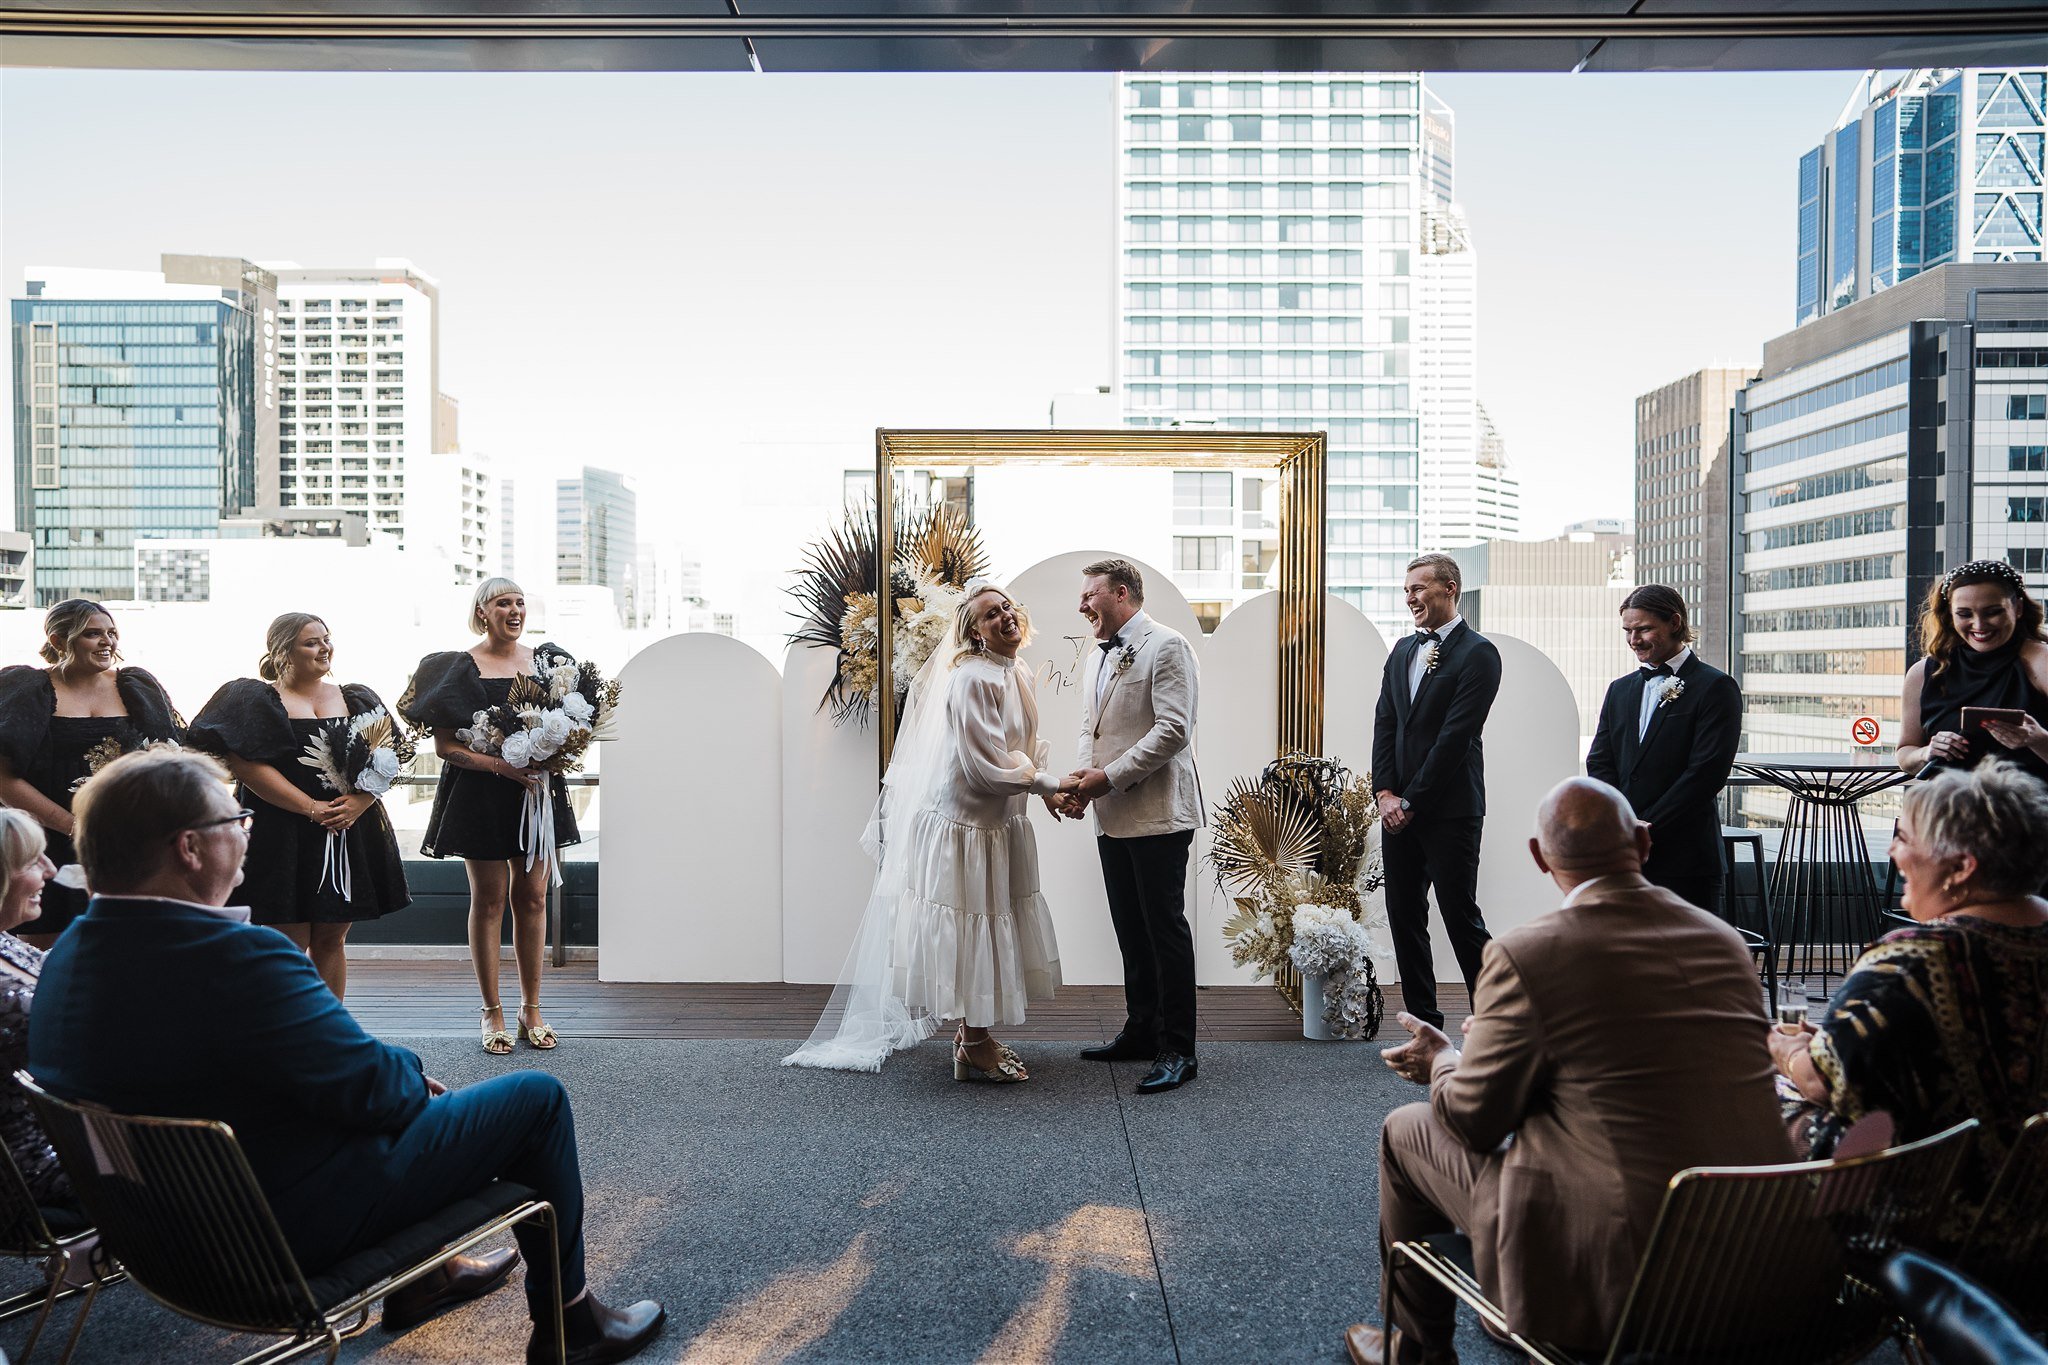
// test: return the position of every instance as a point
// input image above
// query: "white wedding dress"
(955, 926)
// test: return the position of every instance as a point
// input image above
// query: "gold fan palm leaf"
(1259, 836)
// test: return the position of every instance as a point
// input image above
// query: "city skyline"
(803, 345)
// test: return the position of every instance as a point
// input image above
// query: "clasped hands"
(341, 812)
(1077, 789)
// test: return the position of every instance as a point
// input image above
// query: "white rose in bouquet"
(518, 749)
(550, 735)
(378, 774)
(577, 707)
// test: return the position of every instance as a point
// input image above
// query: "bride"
(955, 927)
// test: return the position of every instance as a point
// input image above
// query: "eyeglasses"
(241, 817)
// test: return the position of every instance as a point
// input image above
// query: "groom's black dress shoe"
(1170, 1071)
(457, 1280)
(1122, 1048)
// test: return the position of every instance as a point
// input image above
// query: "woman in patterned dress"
(1947, 1020)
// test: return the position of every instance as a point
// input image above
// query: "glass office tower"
(1267, 236)
(1880, 447)
(136, 415)
(1924, 169)
(597, 537)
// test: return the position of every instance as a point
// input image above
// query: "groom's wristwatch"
(1405, 805)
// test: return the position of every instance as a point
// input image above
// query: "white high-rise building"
(1267, 229)
(358, 375)
(1468, 492)
(452, 512)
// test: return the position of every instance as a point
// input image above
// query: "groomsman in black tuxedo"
(1429, 771)
(1666, 739)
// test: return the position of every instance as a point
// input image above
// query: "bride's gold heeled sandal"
(496, 1041)
(538, 1036)
(1008, 1070)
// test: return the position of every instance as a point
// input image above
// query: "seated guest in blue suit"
(1666, 740)
(349, 1138)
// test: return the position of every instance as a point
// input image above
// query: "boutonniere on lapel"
(1431, 653)
(1126, 658)
(1673, 690)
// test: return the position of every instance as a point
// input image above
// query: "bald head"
(1586, 829)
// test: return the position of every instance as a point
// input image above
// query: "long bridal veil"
(867, 1018)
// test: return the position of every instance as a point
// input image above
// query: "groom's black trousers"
(1146, 878)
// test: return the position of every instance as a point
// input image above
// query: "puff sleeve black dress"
(288, 878)
(476, 814)
(54, 753)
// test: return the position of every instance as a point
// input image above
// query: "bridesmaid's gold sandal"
(539, 1036)
(496, 1041)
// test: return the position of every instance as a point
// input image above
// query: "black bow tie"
(1111, 643)
(1430, 636)
(1659, 671)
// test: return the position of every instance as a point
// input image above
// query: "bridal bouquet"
(549, 720)
(363, 757)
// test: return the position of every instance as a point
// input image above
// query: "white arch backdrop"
(734, 806)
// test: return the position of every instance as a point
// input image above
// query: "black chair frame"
(25, 1233)
(176, 1201)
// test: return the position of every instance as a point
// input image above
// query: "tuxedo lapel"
(1404, 659)
(1109, 661)
(1446, 652)
(1666, 701)
(1628, 744)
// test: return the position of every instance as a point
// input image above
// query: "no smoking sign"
(1864, 730)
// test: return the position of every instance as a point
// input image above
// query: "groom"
(1138, 771)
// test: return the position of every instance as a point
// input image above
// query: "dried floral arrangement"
(936, 552)
(1300, 836)
(365, 756)
(551, 716)
(115, 745)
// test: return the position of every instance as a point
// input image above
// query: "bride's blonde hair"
(964, 623)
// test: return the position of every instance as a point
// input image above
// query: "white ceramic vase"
(1313, 1025)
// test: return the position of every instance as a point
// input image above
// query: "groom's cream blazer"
(1143, 738)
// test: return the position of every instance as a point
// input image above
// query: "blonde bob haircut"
(22, 841)
(485, 591)
(964, 619)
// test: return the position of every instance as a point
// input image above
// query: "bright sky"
(644, 271)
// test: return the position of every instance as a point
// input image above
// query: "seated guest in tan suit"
(1616, 1040)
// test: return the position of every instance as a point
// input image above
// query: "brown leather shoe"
(1367, 1345)
(458, 1280)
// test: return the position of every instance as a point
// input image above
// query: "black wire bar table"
(1825, 894)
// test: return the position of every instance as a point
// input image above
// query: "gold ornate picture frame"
(1300, 458)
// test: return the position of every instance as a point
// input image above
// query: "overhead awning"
(1026, 35)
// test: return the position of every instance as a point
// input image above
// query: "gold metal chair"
(176, 1201)
(2007, 1249)
(1750, 1263)
(26, 1232)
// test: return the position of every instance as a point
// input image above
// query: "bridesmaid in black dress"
(478, 802)
(300, 878)
(58, 725)
(1983, 644)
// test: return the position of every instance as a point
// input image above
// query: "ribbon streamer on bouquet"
(537, 828)
(334, 870)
